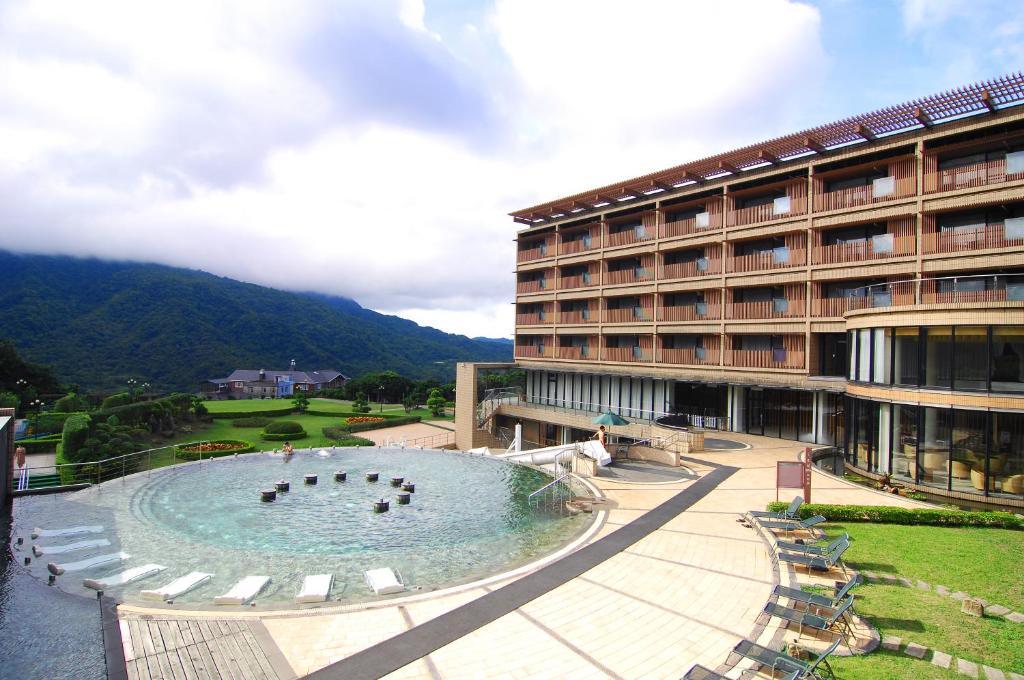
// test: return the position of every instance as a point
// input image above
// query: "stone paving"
(971, 669)
(684, 594)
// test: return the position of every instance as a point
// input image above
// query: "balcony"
(638, 314)
(834, 306)
(778, 258)
(576, 316)
(579, 241)
(627, 354)
(532, 319)
(630, 235)
(978, 174)
(968, 290)
(995, 235)
(764, 358)
(875, 248)
(533, 351)
(534, 251)
(702, 221)
(779, 308)
(690, 356)
(533, 286)
(899, 182)
(629, 275)
(700, 267)
(697, 312)
(576, 353)
(577, 281)
(791, 204)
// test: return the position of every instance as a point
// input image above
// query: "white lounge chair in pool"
(178, 586)
(315, 588)
(87, 563)
(243, 591)
(384, 581)
(126, 576)
(70, 531)
(40, 550)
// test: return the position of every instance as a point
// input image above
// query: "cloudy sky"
(372, 148)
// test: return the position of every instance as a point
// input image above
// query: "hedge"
(349, 414)
(252, 421)
(140, 412)
(893, 515)
(283, 437)
(115, 400)
(335, 433)
(353, 441)
(53, 421)
(242, 447)
(40, 445)
(76, 431)
(283, 427)
(392, 422)
(267, 412)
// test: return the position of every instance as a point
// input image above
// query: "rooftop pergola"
(981, 98)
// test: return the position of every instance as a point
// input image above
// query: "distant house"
(245, 383)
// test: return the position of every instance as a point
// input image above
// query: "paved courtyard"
(685, 592)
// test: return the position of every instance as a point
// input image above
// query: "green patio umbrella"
(608, 418)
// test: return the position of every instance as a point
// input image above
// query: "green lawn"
(245, 405)
(982, 562)
(316, 404)
(884, 665)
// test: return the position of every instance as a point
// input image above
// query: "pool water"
(469, 517)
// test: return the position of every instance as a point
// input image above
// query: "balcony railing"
(577, 316)
(767, 309)
(772, 259)
(700, 267)
(577, 281)
(694, 356)
(575, 353)
(696, 312)
(764, 358)
(692, 225)
(576, 246)
(836, 306)
(869, 249)
(631, 275)
(532, 318)
(534, 253)
(768, 212)
(533, 351)
(535, 286)
(627, 236)
(629, 354)
(990, 236)
(850, 197)
(948, 290)
(638, 314)
(966, 176)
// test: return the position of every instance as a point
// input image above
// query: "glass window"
(1007, 359)
(938, 360)
(1006, 458)
(967, 470)
(971, 370)
(864, 354)
(934, 453)
(881, 356)
(851, 342)
(905, 356)
(904, 442)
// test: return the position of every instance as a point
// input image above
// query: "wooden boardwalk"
(193, 649)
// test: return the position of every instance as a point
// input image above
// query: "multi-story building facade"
(858, 284)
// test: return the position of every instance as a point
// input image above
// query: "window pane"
(880, 360)
(935, 447)
(852, 344)
(904, 441)
(864, 354)
(968, 467)
(971, 358)
(1006, 462)
(938, 359)
(1008, 359)
(906, 356)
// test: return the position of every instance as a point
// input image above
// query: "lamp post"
(144, 389)
(380, 397)
(132, 382)
(37, 404)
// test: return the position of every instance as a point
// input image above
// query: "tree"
(9, 400)
(301, 401)
(70, 403)
(360, 404)
(436, 402)
(408, 403)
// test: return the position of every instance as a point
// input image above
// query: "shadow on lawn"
(871, 566)
(889, 624)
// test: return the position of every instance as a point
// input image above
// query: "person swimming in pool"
(288, 449)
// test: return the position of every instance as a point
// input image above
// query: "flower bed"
(364, 419)
(213, 449)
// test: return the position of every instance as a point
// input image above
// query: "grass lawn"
(982, 562)
(316, 404)
(883, 665)
(245, 405)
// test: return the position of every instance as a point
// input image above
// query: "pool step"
(39, 481)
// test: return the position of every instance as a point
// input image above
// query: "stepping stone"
(906, 582)
(1015, 676)
(959, 596)
(888, 578)
(1016, 617)
(993, 673)
(892, 643)
(983, 601)
(915, 650)
(996, 610)
(924, 585)
(942, 590)
(941, 659)
(869, 575)
(968, 668)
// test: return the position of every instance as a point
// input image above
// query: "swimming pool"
(468, 518)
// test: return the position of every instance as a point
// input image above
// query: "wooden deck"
(192, 649)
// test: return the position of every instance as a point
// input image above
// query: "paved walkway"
(682, 592)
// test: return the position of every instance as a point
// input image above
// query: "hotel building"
(859, 284)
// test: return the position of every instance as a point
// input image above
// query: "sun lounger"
(243, 591)
(40, 550)
(823, 621)
(126, 576)
(820, 562)
(70, 531)
(810, 548)
(178, 586)
(384, 581)
(698, 672)
(779, 661)
(789, 513)
(315, 588)
(790, 526)
(813, 600)
(89, 562)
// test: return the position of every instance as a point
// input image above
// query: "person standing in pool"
(288, 449)
(22, 464)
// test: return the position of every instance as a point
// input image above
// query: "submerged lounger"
(383, 581)
(126, 576)
(315, 588)
(40, 550)
(178, 586)
(94, 561)
(70, 531)
(243, 591)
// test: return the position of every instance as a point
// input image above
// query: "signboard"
(794, 475)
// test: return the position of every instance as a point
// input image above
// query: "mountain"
(99, 323)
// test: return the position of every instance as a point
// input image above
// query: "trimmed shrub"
(141, 412)
(349, 414)
(114, 400)
(283, 437)
(41, 445)
(76, 431)
(51, 422)
(272, 412)
(353, 441)
(252, 421)
(283, 427)
(214, 449)
(891, 515)
(335, 433)
(391, 422)
(71, 403)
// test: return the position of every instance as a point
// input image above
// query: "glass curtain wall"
(1007, 370)
(904, 442)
